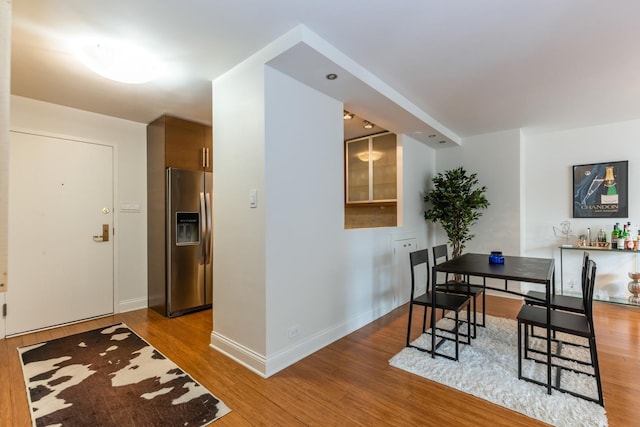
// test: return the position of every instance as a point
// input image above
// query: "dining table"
(512, 269)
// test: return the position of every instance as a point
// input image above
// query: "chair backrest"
(585, 273)
(418, 258)
(590, 289)
(439, 252)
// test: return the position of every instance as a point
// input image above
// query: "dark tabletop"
(522, 269)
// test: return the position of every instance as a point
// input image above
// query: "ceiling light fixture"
(365, 156)
(121, 62)
(367, 125)
(331, 76)
(347, 115)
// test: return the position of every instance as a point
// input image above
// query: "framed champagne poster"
(600, 190)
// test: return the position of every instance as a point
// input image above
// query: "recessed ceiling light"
(331, 76)
(347, 115)
(433, 135)
(121, 62)
(442, 142)
(367, 125)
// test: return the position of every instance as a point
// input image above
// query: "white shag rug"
(488, 368)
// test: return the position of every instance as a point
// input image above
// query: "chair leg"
(409, 323)
(596, 368)
(526, 341)
(475, 311)
(469, 325)
(484, 304)
(457, 333)
(424, 320)
(520, 350)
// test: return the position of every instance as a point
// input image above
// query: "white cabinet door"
(402, 270)
(60, 197)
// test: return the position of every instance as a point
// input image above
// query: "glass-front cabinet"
(371, 169)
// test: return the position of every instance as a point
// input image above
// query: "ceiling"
(470, 66)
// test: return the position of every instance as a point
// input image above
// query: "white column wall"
(129, 138)
(305, 272)
(305, 234)
(238, 230)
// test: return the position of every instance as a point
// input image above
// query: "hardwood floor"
(346, 383)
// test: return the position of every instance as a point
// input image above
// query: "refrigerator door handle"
(203, 230)
(209, 237)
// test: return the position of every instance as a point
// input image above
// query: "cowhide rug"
(111, 377)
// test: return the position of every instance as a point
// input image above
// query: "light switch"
(253, 198)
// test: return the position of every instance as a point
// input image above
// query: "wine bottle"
(621, 237)
(628, 241)
(602, 236)
(614, 237)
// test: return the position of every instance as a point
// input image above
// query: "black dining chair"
(441, 254)
(435, 301)
(563, 302)
(573, 324)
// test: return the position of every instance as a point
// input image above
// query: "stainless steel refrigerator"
(188, 246)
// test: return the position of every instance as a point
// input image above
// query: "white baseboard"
(132, 304)
(267, 366)
(241, 354)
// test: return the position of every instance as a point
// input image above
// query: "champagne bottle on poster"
(609, 194)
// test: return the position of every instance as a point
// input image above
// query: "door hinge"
(4, 310)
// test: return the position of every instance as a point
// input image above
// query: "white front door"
(60, 197)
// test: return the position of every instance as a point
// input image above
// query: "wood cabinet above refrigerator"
(180, 144)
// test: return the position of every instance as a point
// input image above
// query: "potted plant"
(455, 202)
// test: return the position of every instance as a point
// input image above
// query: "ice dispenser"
(187, 228)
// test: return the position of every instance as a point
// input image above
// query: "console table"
(592, 251)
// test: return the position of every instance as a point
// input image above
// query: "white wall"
(305, 272)
(239, 318)
(529, 181)
(549, 161)
(495, 158)
(130, 140)
(5, 89)
(419, 168)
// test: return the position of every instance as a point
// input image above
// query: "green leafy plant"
(455, 202)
